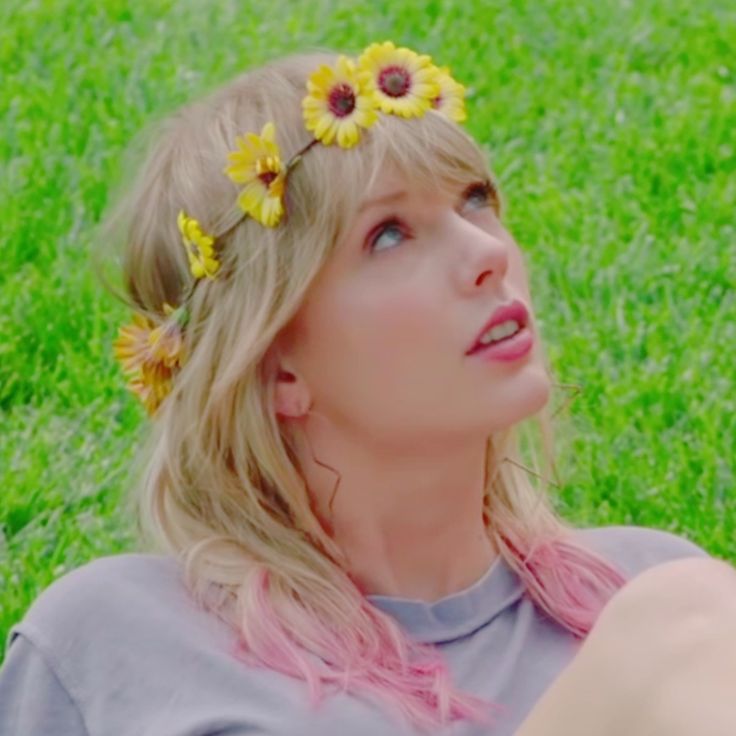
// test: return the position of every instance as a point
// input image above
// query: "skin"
(373, 369)
(660, 660)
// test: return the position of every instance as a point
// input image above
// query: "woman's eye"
(479, 195)
(386, 235)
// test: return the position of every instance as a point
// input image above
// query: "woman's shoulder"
(109, 600)
(105, 582)
(636, 548)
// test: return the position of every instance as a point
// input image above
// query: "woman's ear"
(292, 398)
(291, 395)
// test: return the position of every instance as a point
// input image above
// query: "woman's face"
(381, 341)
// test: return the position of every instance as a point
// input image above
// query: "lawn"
(610, 126)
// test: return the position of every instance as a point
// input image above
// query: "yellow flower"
(199, 247)
(166, 342)
(257, 164)
(151, 354)
(451, 98)
(340, 102)
(405, 82)
(152, 384)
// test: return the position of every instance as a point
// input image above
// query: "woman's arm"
(661, 661)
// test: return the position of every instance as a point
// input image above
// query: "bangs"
(428, 152)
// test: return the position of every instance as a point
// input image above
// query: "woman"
(335, 336)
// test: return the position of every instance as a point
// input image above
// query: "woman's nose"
(483, 257)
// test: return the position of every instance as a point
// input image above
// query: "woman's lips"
(509, 349)
(516, 311)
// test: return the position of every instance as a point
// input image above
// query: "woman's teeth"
(499, 332)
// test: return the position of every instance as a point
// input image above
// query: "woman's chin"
(524, 400)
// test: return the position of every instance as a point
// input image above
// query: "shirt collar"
(458, 614)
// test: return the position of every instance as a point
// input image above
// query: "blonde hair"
(222, 489)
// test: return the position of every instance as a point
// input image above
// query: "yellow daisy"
(339, 103)
(152, 384)
(131, 347)
(451, 98)
(166, 342)
(257, 164)
(150, 354)
(405, 82)
(199, 247)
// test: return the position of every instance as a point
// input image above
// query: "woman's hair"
(222, 487)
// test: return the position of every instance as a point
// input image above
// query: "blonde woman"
(335, 338)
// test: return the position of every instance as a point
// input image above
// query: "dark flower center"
(341, 100)
(267, 177)
(394, 81)
(436, 102)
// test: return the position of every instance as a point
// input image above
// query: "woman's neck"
(410, 523)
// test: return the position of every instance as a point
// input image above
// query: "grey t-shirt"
(118, 648)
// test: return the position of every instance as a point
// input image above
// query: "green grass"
(610, 127)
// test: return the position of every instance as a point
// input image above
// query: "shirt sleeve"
(33, 701)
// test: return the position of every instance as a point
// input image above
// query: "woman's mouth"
(505, 323)
(505, 342)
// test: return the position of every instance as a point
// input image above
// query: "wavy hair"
(222, 488)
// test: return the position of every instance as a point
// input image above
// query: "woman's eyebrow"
(384, 199)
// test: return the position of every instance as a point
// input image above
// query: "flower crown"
(341, 100)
